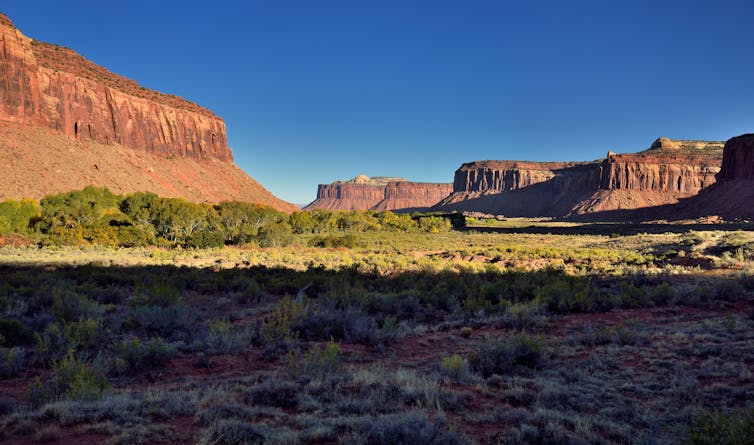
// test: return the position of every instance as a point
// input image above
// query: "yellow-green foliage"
(316, 362)
(278, 325)
(16, 216)
(455, 367)
(71, 379)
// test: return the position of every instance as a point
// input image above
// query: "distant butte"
(379, 193)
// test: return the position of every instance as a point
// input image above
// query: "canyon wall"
(738, 158)
(732, 196)
(44, 86)
(379, 193)
(347, 196)
(54, 87)
(668, 171)
(413, 196)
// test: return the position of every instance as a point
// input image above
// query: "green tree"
(302, 222)
(242, 221)
(18, 216)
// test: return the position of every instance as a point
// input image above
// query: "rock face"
(503, 176)
(48, 86)
(347, 196)
(732, 196)
(412, 196)
(668, 171)
(738, 159)
(378, 193)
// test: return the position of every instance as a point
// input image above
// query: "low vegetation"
(362, 327)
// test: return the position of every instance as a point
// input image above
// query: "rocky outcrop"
(347, 196)
(732, 196)
(668, 171)
(738, 159)
(54, 87)
(502, 176)
(413, 196)
(378, 193)
(44, 86)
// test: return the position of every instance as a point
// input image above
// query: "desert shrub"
(663, 294)
(720, 428)
(174, 322)
(356, 221)
(71, 306)
(278, 326)
(72, 379)
(12, 361)
(522, 316)
(273, 392)
(617, 334)
(434, 224)
(224, 338)
(329, 322)
(226, 410)
(633, 296)
(161, 294)
(133, 355)
(566, 295)
(728, 290)
(316, 362)
(747, 280)
(348, 240)
(85, 335)
(15, 332)
(455, 367)
(508, 355)
(391, 221)
(235, 432)
(407, 429)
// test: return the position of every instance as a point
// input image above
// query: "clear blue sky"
(317, 90)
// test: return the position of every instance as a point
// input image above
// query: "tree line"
(95, 215)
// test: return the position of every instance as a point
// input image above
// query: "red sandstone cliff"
(738, 159)
(378, 193)
(47, 86)
(733, 194)
(347, 196)
(412, 196)
(668, 171)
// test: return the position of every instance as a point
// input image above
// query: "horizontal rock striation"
(54, 87)
(347, 196)
(732, 196)
(66, 123)
(379, 193)
(668, 171)
(681, 175)
(413, 196)
(501, 176)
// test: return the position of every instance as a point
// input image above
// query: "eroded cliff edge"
(379, 193)
(44, 86)
(668, 171)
